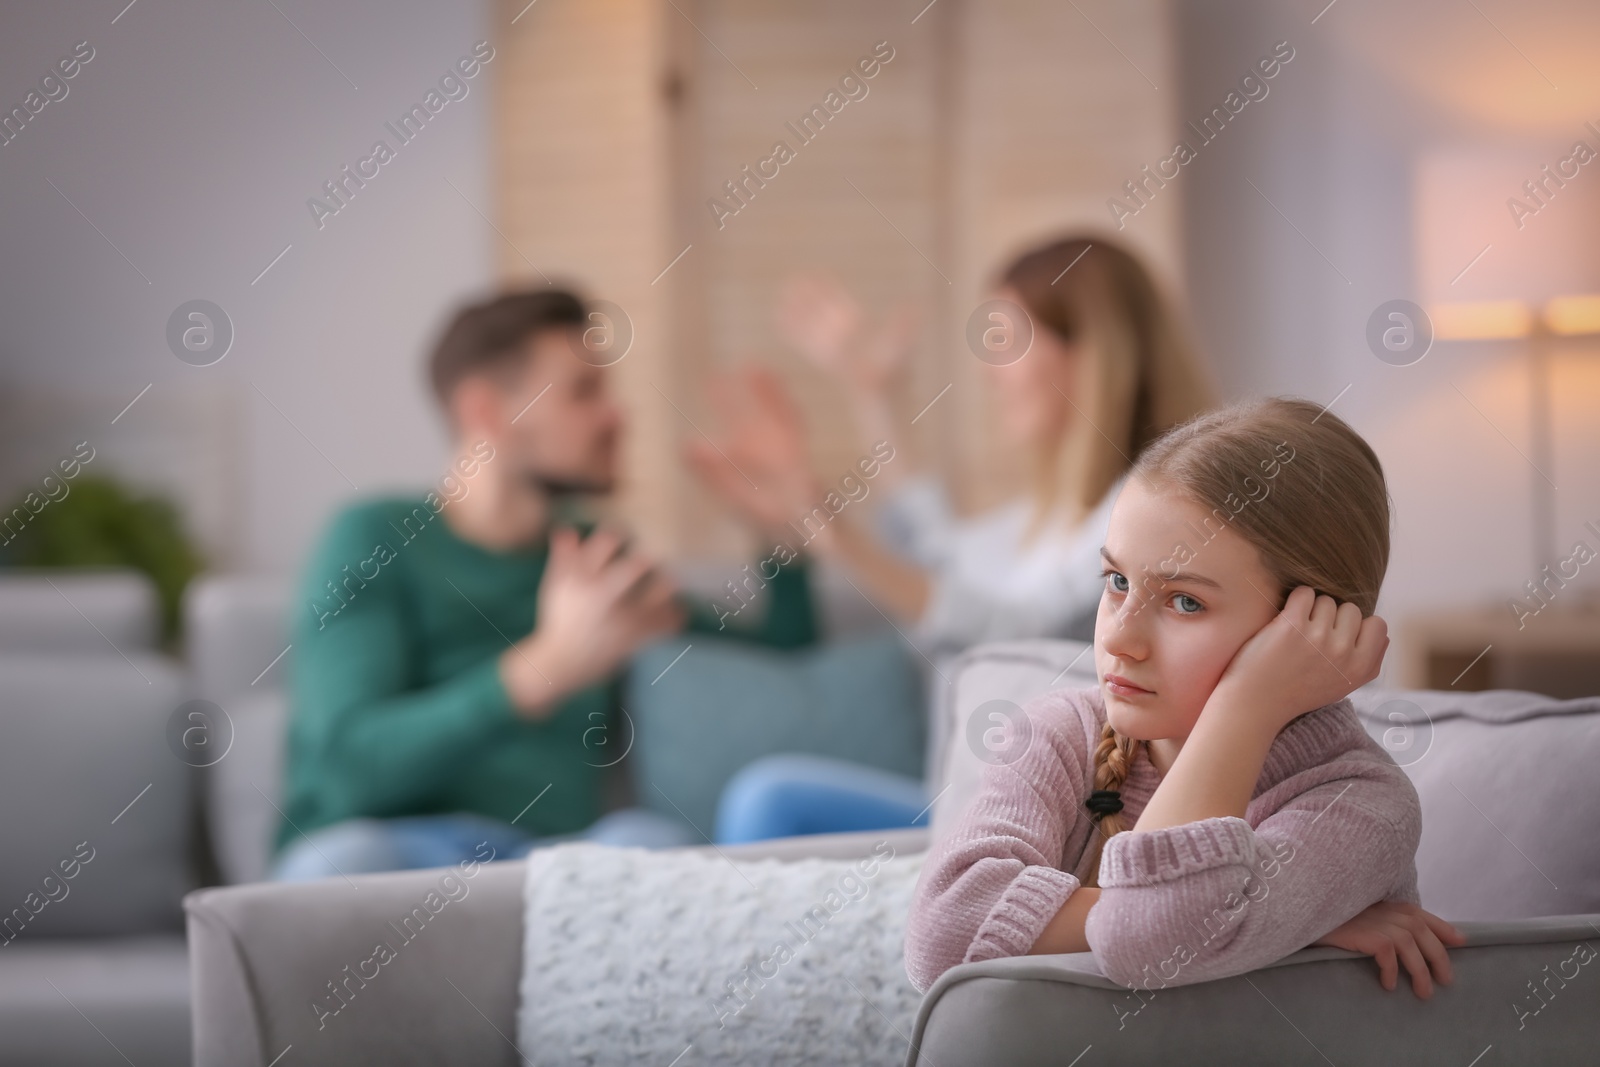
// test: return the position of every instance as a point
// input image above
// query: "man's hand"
(1314, 652)
(1392, 930)
(598, 603)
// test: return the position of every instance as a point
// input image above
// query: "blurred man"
(456, 653)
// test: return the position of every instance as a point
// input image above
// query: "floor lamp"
(1543, 328)
(1507, 251)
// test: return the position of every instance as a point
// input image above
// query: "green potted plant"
(100, 524)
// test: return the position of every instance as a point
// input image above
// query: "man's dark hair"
(493, 335)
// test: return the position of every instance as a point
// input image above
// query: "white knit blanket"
(670, 957)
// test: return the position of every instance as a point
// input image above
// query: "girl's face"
(1175, 609)
(1033, 409)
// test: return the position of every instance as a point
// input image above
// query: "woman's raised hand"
(1314, 652)
(820, 318)
(1394, 932)
(759, 462)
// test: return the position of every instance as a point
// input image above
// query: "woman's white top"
(988, 586)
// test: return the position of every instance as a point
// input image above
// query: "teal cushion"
(725, 703)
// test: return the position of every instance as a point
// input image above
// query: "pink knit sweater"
(1332, 827)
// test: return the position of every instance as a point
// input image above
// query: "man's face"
(555, 422)
(1175, 609)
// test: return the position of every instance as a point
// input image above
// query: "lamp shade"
(1519, 223)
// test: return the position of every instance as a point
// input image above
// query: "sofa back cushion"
(237, 628)
(982, 722)
(92, 610)
(244, 791)
(1509, 808)
(236, 632)
(698, 719)
(99, 805)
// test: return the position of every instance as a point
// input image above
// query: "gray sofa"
(101, 746)
(99, 839)
(261, 954)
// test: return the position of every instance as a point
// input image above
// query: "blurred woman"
(1106, 373)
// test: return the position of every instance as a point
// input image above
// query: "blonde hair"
(1138, 375)
(1296, 482)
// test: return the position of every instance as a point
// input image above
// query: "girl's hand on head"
(1314, 652)
(1393, 931)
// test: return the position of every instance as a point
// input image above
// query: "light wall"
(188, 148)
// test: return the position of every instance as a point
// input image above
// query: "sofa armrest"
(1316, 1006)
(281, 964)
(269, 962)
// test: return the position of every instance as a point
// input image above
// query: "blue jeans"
(364, 846)
(797, 793)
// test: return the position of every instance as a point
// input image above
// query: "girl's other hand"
(1314, 652)
(1392, 931)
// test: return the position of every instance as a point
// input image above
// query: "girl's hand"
(1393, 929)
(1316, 651)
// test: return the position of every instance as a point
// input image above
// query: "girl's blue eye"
(1185, 596)
(1188, 605)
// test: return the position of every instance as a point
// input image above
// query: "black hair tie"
(1103, 802)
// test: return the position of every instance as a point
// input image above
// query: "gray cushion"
(1510, 809)
(132, 993)
(724, 704)
(242, 787)
(97, 611)
(977, 722)
(236, 627)
(86, 771)
(237, 640)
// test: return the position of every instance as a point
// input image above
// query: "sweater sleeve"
(1216, 897)
(992, 883)
(380, 744)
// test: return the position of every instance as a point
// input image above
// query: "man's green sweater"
(398, 706)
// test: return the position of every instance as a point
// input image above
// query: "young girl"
(1214, 804)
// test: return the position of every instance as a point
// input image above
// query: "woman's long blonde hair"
(1137, 372)
(1319, 517)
